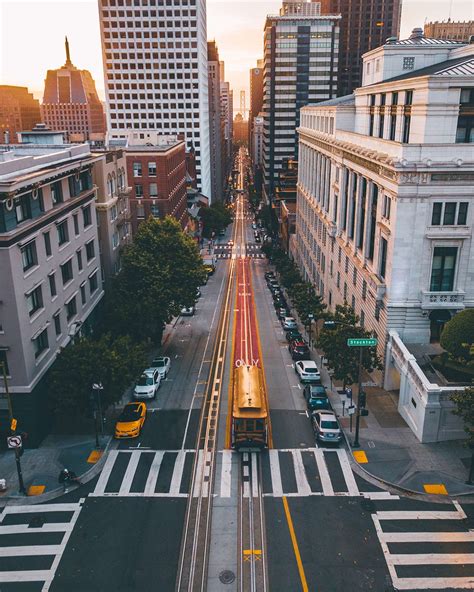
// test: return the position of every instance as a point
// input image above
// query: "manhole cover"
(227, 576)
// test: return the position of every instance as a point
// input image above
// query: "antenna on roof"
(68, 56)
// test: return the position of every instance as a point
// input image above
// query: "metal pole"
(356, 438)
(471, 470)
(17, 450)
(97, 445)
(101, 419)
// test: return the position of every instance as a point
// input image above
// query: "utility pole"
(12, 430)
(359, 399)
(96, 389)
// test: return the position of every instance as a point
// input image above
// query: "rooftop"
(463, 66)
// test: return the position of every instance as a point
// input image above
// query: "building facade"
(257, 142)
(256, 98)
(155, 71)
(112, 207)
(300, 67)
(227, 110)
(156, 169)
(19, 111)
(365, 24)
(240, 129)
(49, 265)
(450, 30)
(385, 197)
(216, 124)
(71, 103)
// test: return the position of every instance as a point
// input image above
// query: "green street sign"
(363, 342)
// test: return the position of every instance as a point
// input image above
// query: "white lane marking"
(25, 528)
(254, 475)
(323, 473)
(105, 474)
(347, 471)
(38, 509)
(433, 583)
(246, 470)
(199, 474)
(277, 486)
(130, 472)
(24, 551)
(417, 515)
(246, 489)
(433, 559)
(177, 473)
(427, 537)
(153, 474)
(380, 495)
(39, 575)
(300, 474)
(226, 473)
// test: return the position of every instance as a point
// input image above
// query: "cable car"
(249, 411)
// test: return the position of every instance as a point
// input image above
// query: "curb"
(19, 500)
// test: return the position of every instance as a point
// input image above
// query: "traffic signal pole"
(359, 388)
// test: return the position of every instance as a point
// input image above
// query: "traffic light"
(362, 399)
(364, 412)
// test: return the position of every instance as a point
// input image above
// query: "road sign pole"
(356, 438)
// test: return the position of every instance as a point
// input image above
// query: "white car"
(147, 384)
(325, 426)
(289, 323)
(307, 371)
(187, 311)
(162, 364)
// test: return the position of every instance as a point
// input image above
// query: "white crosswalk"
(286, 472)
(40, 533)
(405, 566)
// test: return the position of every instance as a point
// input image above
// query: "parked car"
(210, 269)
(316, 397)
(325, 426)
(254, 226)
(308, 371)
(162, 364)
(269, 275)
(230, 243)
(257, 238)
(282, 313)
(222, 232)
(147, 385)
(130, 421)
(198, 294)
(293, 335)
(277, 296)
(272, 284)
(288, 323)
(298, 350)
(281, 303)
(187, 311)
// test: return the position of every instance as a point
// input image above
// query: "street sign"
(13, 425)
(14, 441)
(351, 410)
(362, 342)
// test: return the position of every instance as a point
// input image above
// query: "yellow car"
(131, 420)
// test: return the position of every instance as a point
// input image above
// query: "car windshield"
(311, 370)
(329, 425)
(130, 413)
(159, 363)
(145, 381)
(301, 348)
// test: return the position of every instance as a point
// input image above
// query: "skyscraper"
(365, 24)
(71, 103)
(452, 30)
(216, 124)
(227, 115)
(300, 67)
(256, 97)
(19, 111)
(155, 70)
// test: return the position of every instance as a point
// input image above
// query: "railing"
(431, 300)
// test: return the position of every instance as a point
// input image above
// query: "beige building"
(453, 30)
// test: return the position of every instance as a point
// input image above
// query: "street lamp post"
(97, 388)
(12, 430)
(310, 326)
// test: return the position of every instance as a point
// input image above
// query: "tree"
(341, 359)
(214, 218)
(307, 302)
(161, 271)
(113, 362)
(458, 335)
(464, 408)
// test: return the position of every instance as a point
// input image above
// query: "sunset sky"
(32, 35)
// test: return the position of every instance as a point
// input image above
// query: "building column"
(358, 207)
(342, 198)
(368, 218)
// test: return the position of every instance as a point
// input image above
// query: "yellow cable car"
(249, 413)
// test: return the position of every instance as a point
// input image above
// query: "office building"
(365, 24)
(155, 71)
(256, 99)
(257, 142)
(450, 30)
(227, 115)
(240, 129)
(385, 207)
(19, 111)
(49, 264)
(216, 124)
(71, 103)
(300, 67)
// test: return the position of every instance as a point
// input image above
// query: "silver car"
(325, 426)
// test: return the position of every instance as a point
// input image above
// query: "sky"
(32, 35)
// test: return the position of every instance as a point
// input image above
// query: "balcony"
(448, 232)
(432, 300)
(376, 286)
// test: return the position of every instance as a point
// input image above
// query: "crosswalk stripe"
(177, 473)
(25, 551)
(417, 515)
(26, 529)
(277, 486)
(428, 537)
(130, 472)
(36, 575)
(105, 474)
(301, 480)
(153, 474)
(347, 471)
(433, 583)
(432, 559)
(198, 481)
(226, 473)
(35, 509)
(323, 473)
(254, 475)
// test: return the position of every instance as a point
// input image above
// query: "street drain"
(227, 576)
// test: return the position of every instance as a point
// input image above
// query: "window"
(71, 308)
(63, 233)
(354, 276)
(34, 301)
(465, 130)
(138, 190)
(362, 318)
(155, 211)
(23, 208)
(83, 293)
(137, 169)
(449, 213)
(57, 323)
(115, 240)
(47, 244)
(408, 63)
(28, 256)
(40, 343)
(443, 268)
(152, 169)
(79, 259)
(364, 290)
(76, 224)
(52, 284)
(56, 193)
(90, 250)
(113, 213)
(66, 272)
(406, 128)
(86, 214)
(4, 362)
(93, 282)
(387, 203)
(153, 190)
(383, 257)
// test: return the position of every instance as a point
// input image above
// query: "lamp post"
(12, 430)
(97, 388)
(310, 325)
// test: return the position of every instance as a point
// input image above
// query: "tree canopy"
(458, 335)
(214, 218)
(464, 402)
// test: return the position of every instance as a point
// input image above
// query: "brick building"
(156, 171)
(19, 111)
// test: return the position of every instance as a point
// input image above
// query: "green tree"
(458, 335)
(214, 218)
(307, 302)
(161, 271)
(464, 408)
(113, 362)
(342, 359)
